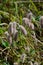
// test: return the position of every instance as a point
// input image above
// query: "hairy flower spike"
(23, 57)
(10, 29)
(14, 25)
(30, 63)
(15, 63)
(29, 15)
(27, 48)
(7, 34)
(28, 23)
(15, 32)
(23, 30)
(25, 21)
(15, 35)
(41, 25)
(41, 21)
(36, 63)
(9, 38)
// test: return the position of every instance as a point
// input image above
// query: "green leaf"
(33, 19)
(6, 63)
(32, 52)
(5, 43)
